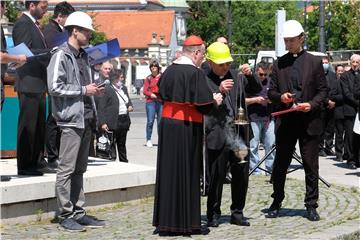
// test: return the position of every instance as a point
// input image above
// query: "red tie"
(42, 35)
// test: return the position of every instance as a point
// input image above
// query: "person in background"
(73, 106)
(327, 137)
(31, 89)
(56, 24)
(297, 80)
(114, 108)
(51, 30)
(339, 69)
(262, 123)
(153, 101)
(186, 96)
(350, 84)
(336, 96)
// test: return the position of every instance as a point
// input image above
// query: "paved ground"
(339, 210)
(338, 206)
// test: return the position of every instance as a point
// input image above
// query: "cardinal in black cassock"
(186, 96)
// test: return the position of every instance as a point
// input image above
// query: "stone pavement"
(338, 206)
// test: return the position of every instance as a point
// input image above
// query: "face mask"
(326, 66)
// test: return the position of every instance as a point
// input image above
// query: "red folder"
(294, 109)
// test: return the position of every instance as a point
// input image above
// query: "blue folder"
(20, 49)
(103, 52)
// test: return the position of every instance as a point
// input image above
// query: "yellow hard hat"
(219, 53)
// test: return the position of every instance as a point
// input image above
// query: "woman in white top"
(114, 108)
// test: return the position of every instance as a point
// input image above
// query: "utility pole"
(229, 18)
(322, 27)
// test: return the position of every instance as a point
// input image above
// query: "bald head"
(222, 40)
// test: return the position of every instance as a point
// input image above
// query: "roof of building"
(134, 29)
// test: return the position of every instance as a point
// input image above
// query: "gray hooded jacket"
(65, 89)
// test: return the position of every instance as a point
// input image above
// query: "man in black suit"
(327, 137)
(350, 84)
(31, 89)
(297, 77)
(222, 139)
(51, 32)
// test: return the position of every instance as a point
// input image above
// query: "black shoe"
(53, 164)
(339, 158)
(329, 152)
(90, 221)
(5, 178)
(213, 222)
(312, 214)
(351, 165)
(241, 221)
(322, 153)
(47, 169)
(69, 224)
(273, 211)
(30, 172)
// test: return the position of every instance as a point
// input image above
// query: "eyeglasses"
(262, 74)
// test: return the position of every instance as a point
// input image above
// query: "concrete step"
(105, 182)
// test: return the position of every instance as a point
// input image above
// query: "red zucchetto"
(193, 41)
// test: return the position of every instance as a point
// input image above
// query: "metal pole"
(229, 26)
(305, 25)
(322, 27)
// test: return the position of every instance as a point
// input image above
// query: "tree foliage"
(253, 23)
(342, 25)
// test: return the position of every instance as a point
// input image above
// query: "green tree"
(342, 25)
(253, 22)
(13, 10)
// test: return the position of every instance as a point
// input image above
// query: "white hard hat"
(292, 28)
(79, 19)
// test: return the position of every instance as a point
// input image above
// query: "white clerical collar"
(184, 60)
(31, 17)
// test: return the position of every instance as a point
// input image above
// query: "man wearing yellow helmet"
(221, 139)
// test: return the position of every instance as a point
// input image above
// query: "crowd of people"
(197, 100)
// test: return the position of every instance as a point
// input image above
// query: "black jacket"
(335, 95)
(216, 121)
(108, 109)
(311, 78)
(51, 30)
(350, 85)
(32, 75)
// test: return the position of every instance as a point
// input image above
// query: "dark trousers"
(286, 138)
(348, 139)
(52, 137)
(327, 137)
(120, 143)
(356, 148)
(339, 138)
(217, 160)
(31, 130)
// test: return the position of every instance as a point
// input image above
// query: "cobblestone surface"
(338, 208)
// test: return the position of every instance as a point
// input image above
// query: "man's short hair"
(2, 3)
(337, 66)
(263, 65)
(27, 3)
(63, 8)
(190, 49)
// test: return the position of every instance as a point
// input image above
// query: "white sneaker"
(149, 144)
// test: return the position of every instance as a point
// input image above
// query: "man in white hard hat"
(297, 81)
(72, 96)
